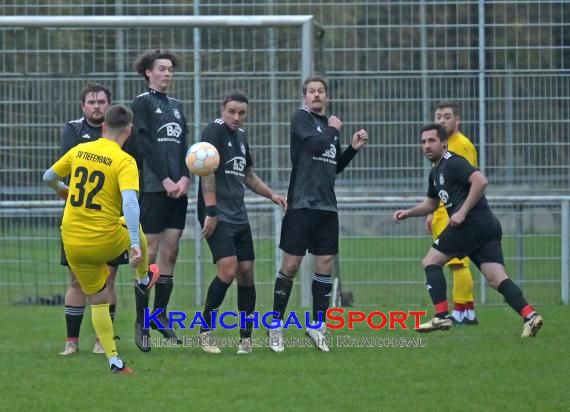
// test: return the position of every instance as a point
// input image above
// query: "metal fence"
(379, 261)
(506, 62)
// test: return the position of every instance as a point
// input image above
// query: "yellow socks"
(104, 328)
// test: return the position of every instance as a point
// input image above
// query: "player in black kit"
(311, 221)
(473, 231)
(95, 100)
(223, 216)
(159, 145)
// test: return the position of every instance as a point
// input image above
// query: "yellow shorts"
(439, 223)
(89, 262)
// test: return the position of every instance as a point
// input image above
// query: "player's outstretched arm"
(258, 186)
(52, 180)
(425, 207)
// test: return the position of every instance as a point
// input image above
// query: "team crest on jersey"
(176, 113)
(319, 129)
(441, 180)
(242, 147)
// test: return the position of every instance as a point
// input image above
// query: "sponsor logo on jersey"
(158, 110)
(330, 152)
(443, 195)
(172, 129)
(238, 164)
(86, 136)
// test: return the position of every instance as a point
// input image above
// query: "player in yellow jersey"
(448, 114)
(103, 181)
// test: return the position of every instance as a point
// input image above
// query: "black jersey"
(78, 131)
(230, 175)
(449, 182)
(159, 139)
(316, 158)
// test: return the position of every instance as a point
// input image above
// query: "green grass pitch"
(485, 367)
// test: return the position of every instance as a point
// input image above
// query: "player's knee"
(170, 256)
(227, 270)
(290, 268)
(495, 281)
(324, 264)
(245, 279)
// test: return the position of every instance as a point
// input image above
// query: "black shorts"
(478, 237)
(122, 259)
(231, 240)
(308, 229)
(159, 212)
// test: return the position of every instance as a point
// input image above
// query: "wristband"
(211, 211)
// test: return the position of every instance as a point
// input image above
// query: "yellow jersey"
(462, 146)
(99, 171)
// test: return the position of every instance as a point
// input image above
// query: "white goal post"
(305, 23)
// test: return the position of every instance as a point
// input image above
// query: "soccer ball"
(202, 159)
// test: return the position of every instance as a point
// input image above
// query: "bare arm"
(258, 186)
(425, 207)
(478, 186)
(209, 193)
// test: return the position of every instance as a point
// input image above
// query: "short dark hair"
(236, 96)
(441, 132)
(315, 78)
(146, 60)
(118, 117)
(93, 87)
(452, 105)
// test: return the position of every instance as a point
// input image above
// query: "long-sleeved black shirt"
(317, 159)
(158, 142)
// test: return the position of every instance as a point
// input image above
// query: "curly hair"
(146, 60)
